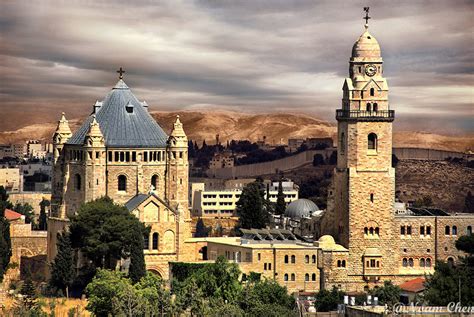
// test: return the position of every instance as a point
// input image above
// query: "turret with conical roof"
(61, 136)
(94, 136)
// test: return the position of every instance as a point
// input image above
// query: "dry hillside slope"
(277, 127)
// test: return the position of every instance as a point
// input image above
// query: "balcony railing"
(363, 115)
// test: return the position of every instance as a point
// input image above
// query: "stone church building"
(121, 152)
(368, 237)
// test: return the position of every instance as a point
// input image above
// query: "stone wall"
(425, 154)
(32, 198)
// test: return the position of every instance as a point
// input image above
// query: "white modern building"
(222, 203)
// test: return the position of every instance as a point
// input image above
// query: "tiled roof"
(136, 201)
(414, 286)
(12, 215)
(136, 129)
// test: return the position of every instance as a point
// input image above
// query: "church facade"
(121, 152)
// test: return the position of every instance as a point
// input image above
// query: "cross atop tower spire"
(121, 72)
(367, 17)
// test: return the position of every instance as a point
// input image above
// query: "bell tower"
(364, 178)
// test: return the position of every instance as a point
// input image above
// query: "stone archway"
(157, 272)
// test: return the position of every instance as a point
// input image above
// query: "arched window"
(378, 263)
(77, 181)
(375, 108)
(469, 230)
(146, 242)
(338, 263)
(313, 277)
(122, 183)
(366, 231)
(293, 259)
(313, 258)
(422, 262)
(446, 230)
(343, 263)
(372, 91)
(306, 277)
(155, 241)
(286, 278)
(405, 262)
(428, 262)
(368, 108)
(371, 230)
(410, 262)
(286, 258)
(306, 259)
(450, 261)
(372, 141)
(154, 181)
(293, 276)
(377, 231)
(455, 231)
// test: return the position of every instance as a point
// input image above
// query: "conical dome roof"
(124, 121)
(366, 46)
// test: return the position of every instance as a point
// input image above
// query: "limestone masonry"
(367, 236)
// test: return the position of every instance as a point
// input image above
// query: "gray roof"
(121, 128)
(136, 201)
(300, 208)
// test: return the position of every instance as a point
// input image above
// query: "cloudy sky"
(251, 56)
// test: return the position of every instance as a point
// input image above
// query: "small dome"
(301, 208)
(327, 240)
(366, 46)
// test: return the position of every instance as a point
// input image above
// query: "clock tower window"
(372, 92)
(372, 141)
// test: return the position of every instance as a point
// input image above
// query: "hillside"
(277, 127)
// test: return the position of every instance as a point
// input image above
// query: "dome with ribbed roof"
(366, 46)
(124, 122)
(301, 208)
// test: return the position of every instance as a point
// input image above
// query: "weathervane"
(366, 18)
(121, 72)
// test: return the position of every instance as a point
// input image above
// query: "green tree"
(280, 206)
(62, 269)
(201, 229)
(449, 283)
(252, 208)
(328, 300)
(263, 294)
(106, 232)
(28, 292)
(469, 203)
(388, 294)
(104, 287)
(137, 267)
(5, 242)
(43, 220)
(26, 210)
(157, 299)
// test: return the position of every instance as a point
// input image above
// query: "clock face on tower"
(370, 70)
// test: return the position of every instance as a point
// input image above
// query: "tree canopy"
(280, 206)
(5, 241)
(252, 208)
(62, 269)
(449, 282)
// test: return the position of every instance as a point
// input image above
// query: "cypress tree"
(43, 223)
(62, 269)
(252, 208)
(280, 203)
(5, 242)
(137, 268)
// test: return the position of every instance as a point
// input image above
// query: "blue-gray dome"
(300, 208)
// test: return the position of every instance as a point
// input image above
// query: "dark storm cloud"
(252, 55)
